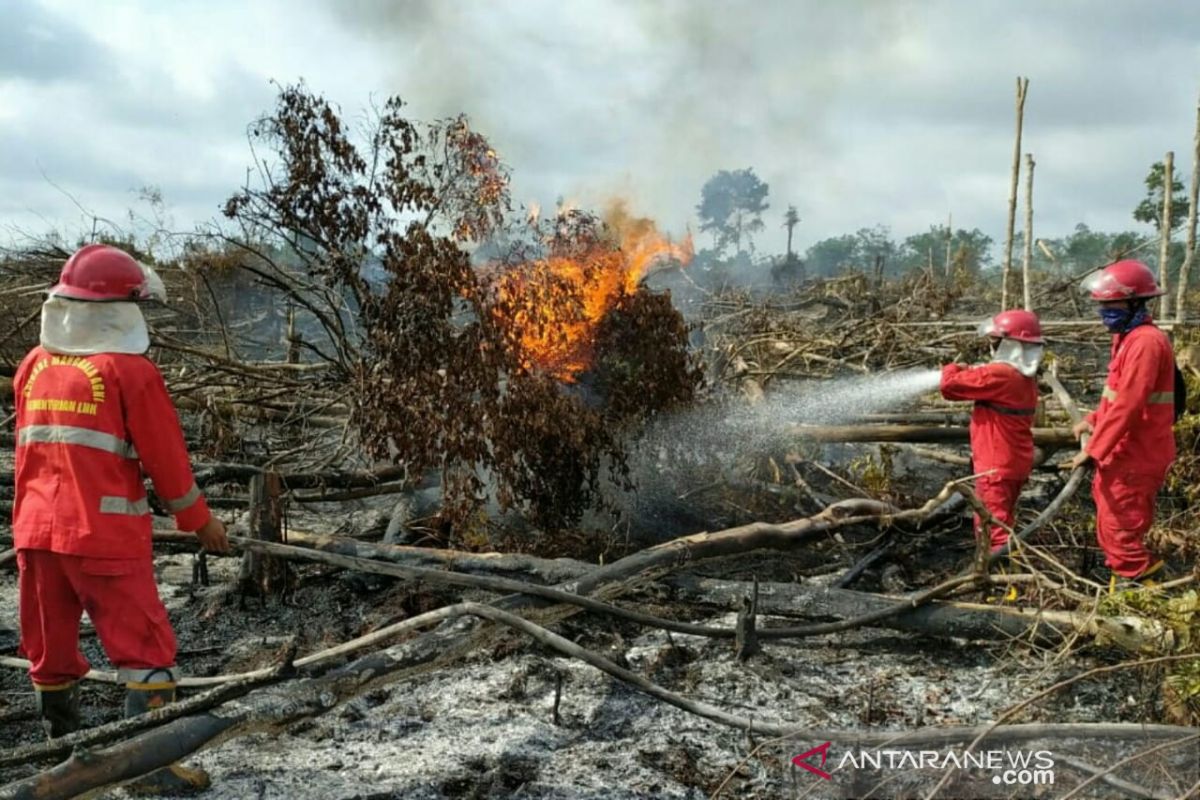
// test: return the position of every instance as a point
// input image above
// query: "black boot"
(58, 708)
(147, 690)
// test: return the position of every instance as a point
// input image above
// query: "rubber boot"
(1119, 583)
(147, 690)
(58, 708)
(1009, 595)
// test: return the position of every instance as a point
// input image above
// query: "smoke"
(642, 99)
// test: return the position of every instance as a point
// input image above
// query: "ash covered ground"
(486, 726)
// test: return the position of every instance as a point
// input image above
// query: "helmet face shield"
(154, 288)
(1102, 285)
(988, 328)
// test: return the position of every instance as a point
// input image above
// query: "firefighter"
(1132, 443)
(93, 417)
(1005, 395)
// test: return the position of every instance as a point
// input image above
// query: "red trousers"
(1124, 512)
(1000, 496)
(119, 596)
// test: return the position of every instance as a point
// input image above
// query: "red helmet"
(1123, 280)
(1016, 324)
(99, 272)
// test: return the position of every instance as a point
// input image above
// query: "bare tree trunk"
(1022, 88)
(1190, 248)
(293, 338)
(1027, 258)
(1164, 251)
(949, 248)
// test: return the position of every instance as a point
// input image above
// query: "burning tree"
(526, 371)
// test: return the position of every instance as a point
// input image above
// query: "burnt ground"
(486, 727)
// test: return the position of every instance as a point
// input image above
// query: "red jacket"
(87, 427)
(1002, 422)
(1133, 427)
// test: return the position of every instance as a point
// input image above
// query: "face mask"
(1025, 356)
(1122, 320)
(1115, 318)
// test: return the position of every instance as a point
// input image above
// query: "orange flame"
(556, 304)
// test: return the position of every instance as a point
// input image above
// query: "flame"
(556, 304)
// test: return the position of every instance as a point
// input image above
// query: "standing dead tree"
(1027, 258)
(949, 248)
(370, 237)
(1164, 250)
(1190, 249)
(1022, 88)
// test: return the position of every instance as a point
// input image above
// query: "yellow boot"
(1004, 567)
(1143, 580)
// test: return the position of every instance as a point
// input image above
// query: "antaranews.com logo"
(1009, 767)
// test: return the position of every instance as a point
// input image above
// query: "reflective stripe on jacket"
(1002, 422)
(88, 429)
(1133, 427)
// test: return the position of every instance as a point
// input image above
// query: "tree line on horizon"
(733, 208)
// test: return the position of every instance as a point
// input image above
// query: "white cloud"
(858, 112)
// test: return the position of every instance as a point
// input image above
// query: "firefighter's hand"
(1080, 428)
(1081, 459)
(212, 536)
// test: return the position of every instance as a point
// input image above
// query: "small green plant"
(875, 473)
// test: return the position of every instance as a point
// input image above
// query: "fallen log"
(1043, 437)
(754, 536)
(939, 618)
(511, 565)
(335, 479)
(916, 418)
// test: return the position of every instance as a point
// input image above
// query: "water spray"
(736, 426)
(847, 399)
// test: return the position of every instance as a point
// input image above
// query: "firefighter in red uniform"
(93, 417)
(1005, 395)
(1132, 441)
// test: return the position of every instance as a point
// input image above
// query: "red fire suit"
(1132, 444)
(87, 427)
(1001, 434)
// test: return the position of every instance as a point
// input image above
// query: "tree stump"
(262, 575)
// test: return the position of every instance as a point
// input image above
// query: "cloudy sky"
(857, 111)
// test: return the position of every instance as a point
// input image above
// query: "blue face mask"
(1114, 317)
(1120, 320)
